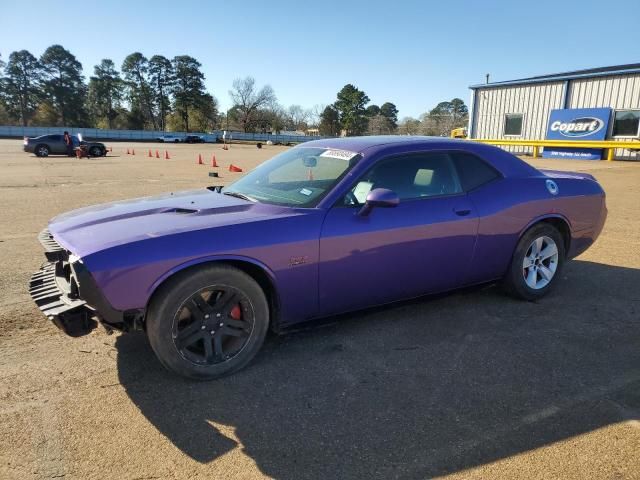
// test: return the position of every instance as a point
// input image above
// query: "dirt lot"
(469, 385)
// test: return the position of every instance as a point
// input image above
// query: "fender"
(209, 259)
(545, 217)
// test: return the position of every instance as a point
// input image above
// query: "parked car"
(328, 227)
(46, 145)
(169, 139)
(194, 139)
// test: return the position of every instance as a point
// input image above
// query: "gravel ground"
(468, 385)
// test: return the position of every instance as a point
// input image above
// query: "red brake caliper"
(236, 313)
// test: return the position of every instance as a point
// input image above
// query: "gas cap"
(552, 187)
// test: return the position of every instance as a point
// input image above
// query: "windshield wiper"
(239, 195)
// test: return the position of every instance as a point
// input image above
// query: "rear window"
(473, 171)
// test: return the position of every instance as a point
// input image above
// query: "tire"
(535, 278)
(186, 316)
(96, 152)
(42, 151)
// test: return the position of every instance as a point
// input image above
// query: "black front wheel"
(96, 152)
(208, 322)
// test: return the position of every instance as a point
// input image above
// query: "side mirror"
(379, 197)
(310, 161)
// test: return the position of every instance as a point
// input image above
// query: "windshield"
(299, 177)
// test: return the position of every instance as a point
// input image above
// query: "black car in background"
(46, 145)
(194, 139)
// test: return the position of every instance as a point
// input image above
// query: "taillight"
(26, 140)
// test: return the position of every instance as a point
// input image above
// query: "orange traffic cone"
(213, 161)
(133, 152)
(200, 162)
(166, 155)
(128, 152)
(157, 154)
(150, 154)
(233, 168)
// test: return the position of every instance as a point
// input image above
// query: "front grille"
(46, 292)
(52, 249)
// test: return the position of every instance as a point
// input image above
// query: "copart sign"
(577, 124)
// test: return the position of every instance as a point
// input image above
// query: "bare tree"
(249, 100)
(297, 117)
(409, 126)
(314, 114)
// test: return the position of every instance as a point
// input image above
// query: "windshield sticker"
(341, 154)
(306, 191)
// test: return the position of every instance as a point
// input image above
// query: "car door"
(56, 144)
(424, 245)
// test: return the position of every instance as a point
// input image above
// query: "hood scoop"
(179, 210)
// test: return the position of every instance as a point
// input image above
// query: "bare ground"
(469, 385)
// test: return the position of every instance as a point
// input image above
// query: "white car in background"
(169, 139)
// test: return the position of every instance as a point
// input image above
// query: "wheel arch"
(556, 220)
(257, 270)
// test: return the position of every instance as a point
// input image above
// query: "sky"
(412, 53)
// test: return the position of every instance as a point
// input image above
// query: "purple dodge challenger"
(327, 227)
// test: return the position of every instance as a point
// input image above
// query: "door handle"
(462, 212)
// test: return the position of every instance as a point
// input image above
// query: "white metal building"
(520, 108)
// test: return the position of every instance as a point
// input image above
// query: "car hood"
(91, 229)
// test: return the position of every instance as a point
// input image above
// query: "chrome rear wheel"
(536, 262)
(540, 262)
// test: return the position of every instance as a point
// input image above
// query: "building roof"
(555, 77)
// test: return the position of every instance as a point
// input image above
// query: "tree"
(249, 100)
(448, 115)
(409, 126)
(379, 125)
(162, 80)
(64, 84)
(390, 112)
(373, 110)
(21, 86)
(45, 115)
(297, 117)
(104, 93)
(315, 113)
(351, 110)
(188, 88)
(135, 71)
(203, 117)
(330, 121)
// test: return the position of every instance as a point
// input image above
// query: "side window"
(473, 171)
(513, 124)
(411, 176)
(626, 123)
(54, 138)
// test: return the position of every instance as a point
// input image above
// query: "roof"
(359, 144)
(555, 77)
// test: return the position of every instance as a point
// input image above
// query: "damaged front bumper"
(67, 294)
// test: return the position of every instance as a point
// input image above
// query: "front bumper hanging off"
(55, 290)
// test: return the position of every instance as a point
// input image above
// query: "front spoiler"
(72, 315)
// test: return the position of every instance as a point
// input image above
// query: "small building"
(593, 104)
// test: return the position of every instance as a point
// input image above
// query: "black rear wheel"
(208, 322)
(96, 152)
(42, 151)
